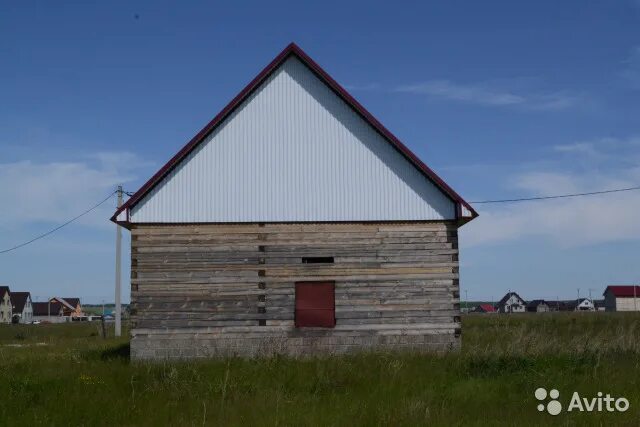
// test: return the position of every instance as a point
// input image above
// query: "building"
(48, 312)
(70, 305)
(622, 298)
(22, 307)
(538, 306)
(561, 305)
(293, 223)
(511, 303)
(6, 312)
(582, 304)
(484, 308)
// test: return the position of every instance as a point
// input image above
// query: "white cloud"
(488, 95)
(605, 164)
(604, 150)
(466, 93)
(578, 147)
(57, 191)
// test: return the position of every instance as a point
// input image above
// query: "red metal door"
(315, 304)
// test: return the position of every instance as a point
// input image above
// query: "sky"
(502, 99)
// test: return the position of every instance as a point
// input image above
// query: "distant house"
(511, 303)
(622, 298)
(582, 304)
(71, 306)
(560, 305)
(538, 306)
(599, 304)
(5, 305)
(48, 312)
(22, 307)
(484, 308)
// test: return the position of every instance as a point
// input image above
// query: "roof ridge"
(294, 49)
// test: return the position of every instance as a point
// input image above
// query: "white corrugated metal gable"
(293, 151)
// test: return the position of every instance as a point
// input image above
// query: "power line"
(525, 199)
(58, 227)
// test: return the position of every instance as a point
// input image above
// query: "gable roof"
(464, 211)
(70, 302)
(487, 308)
(507, 296)
(44, 308)
(575, 303)
(73, 301)
(19, 300)
(623, 291)
(4, 290)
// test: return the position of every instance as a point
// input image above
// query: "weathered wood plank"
(237, 281)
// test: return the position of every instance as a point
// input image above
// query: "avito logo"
(554, 407)
(603, 402)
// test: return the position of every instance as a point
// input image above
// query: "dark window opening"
(315, 304)
(317, 260)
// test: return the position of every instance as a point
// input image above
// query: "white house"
(511, 303)
(622, 298)
(22, 307)
(583, 304)
(5, 305)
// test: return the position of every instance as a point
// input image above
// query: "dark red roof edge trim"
(623, 290)
(292, 48)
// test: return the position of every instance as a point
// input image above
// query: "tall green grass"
(68, 375)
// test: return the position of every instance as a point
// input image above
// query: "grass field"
(68, 375)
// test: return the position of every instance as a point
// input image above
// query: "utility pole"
(591, 299)
(118, 328)
(466, 300)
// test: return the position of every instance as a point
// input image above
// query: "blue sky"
(503, 99)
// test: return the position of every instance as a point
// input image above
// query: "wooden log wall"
(217, 290)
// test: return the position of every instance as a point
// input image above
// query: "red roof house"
(485, 308)
(622, 298)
